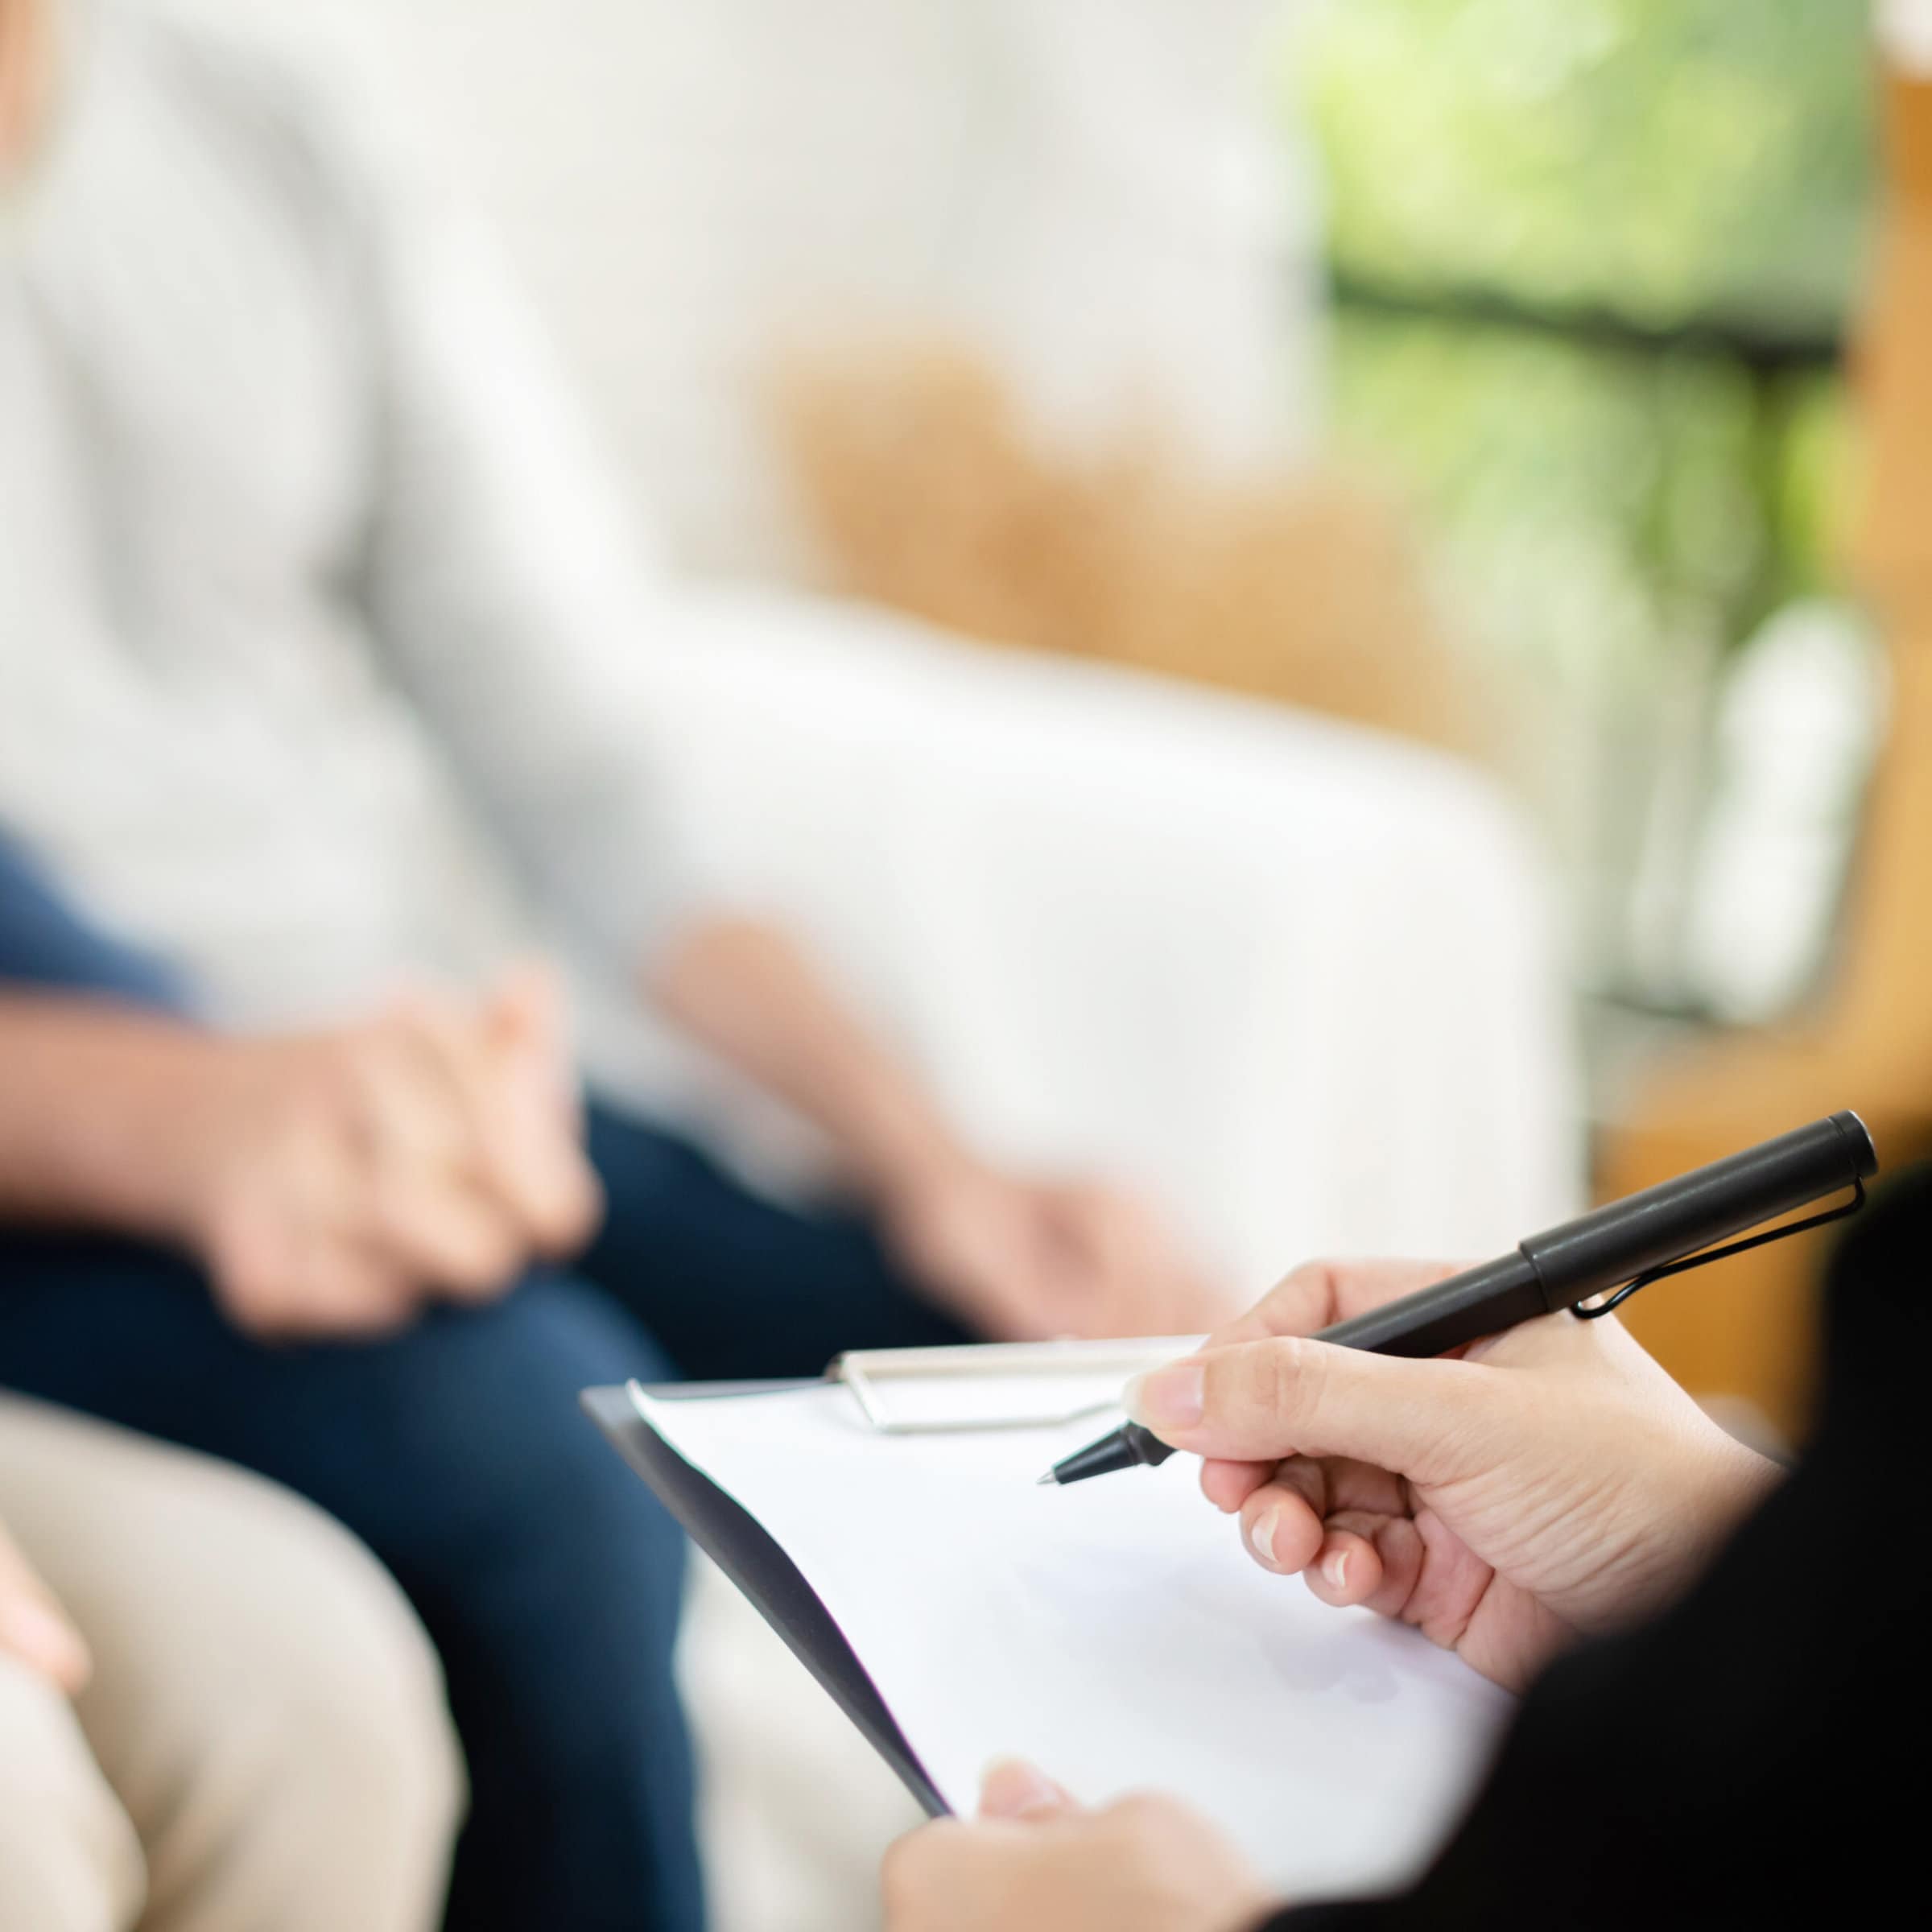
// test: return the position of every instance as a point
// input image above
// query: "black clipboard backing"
(748, 1553)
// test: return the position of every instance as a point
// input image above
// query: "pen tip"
(1048, 1481)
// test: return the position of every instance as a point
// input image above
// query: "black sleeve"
(1755, 1758)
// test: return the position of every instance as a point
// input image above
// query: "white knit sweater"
(319, 631)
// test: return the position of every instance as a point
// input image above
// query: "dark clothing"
(42, 944)
(547, 1576)
(1755, 1758)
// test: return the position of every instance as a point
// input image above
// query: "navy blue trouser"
(546, 1574)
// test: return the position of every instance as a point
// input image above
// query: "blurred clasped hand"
(1036, 1862)
(1023, 1259)
(333, 1183)
(1546, 1483)
(33, 1626)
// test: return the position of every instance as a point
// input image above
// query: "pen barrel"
(1677, 1218)
(1604, 1249)
(1564, 1266)
(1478, 1301)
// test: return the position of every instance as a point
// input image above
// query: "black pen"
(1663, 1230)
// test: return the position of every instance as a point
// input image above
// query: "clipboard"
(1008, 1620)
(752, 1558)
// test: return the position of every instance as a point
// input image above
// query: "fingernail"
(1173, 1398)
(1261, 1539)
(1335, 1568)
(1012, 1788)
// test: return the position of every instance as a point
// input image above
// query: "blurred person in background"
(320, 648)
(216, 1714)
(325, 654)
(283, 1250)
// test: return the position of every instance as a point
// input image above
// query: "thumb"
(1016, 1791)
(1266, 1401)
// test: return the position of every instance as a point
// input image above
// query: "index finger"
(1319, 1293)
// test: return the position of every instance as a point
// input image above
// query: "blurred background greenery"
(1593, 265)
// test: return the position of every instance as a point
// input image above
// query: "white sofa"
(1291, 977)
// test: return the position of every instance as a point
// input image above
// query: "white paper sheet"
(1114, 1632)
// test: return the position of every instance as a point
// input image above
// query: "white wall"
(1093, 187)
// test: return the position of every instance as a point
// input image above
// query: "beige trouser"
(263, 1746)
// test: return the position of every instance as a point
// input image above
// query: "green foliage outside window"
(1591, 256)
(1670, 159)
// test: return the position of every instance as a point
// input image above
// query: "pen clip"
(1597, 1309)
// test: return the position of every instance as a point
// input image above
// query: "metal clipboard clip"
(996, 1384)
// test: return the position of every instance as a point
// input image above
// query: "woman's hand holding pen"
(1549, 1481)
